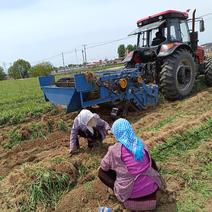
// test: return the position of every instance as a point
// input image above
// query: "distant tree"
(2, 74)
(12, 73)
(19, 69)
(41, 69)
(121, 51)
(130, 48)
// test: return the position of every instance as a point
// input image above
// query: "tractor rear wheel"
(208, 72)
(177, 75)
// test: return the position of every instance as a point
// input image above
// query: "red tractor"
(168, 53)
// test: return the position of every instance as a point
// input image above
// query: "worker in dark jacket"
(159, 38)
(90, 126)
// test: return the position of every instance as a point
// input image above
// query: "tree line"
(123, 51)
(23, 69)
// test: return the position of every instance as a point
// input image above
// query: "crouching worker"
(127, 169)
(90, 126)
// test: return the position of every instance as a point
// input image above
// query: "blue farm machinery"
(115, 87)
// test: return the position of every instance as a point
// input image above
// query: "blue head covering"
(125, 134)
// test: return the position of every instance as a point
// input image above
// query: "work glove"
(109, 132)
(72, 151)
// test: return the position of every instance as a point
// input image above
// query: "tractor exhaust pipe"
(193, 21)
(193, 34)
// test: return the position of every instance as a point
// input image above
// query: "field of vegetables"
(37, 174)
(21, 100)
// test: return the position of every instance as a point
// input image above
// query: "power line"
(47, 58)
(207, 14)
(69, 52)
(83, 50)
(106, 43)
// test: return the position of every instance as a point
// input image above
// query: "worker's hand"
(109, 132)
(72, 152)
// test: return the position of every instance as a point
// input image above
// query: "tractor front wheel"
(177, 75)
(208, 72)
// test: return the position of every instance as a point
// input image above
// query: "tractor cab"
(160, 34)
(168, 26)
(157, 35)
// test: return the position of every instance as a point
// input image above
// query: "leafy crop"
(21, 100)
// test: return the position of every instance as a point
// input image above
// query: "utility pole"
(63, 60)
(84, 45)
(76, 55)
(83, 60)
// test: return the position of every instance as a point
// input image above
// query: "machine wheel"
(177, 75)
(208, 72)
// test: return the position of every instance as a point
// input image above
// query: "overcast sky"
(35, 30)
